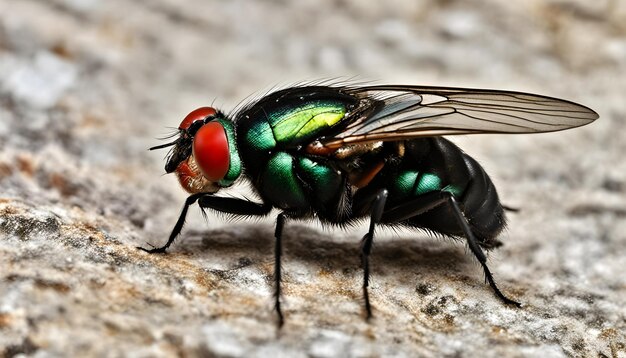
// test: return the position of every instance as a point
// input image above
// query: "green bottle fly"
(343, 153)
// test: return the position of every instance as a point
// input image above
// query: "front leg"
(226, 205)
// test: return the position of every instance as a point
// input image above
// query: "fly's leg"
(278, 252)
(376, 214)
(477, 251)
(177, 228)
(226, 205)
(428, 202)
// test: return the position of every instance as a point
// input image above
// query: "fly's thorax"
(288, 121)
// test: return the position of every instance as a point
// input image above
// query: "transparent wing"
(411, 111)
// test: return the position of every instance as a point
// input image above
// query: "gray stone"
(86, 87)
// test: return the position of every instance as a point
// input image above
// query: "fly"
(343, 153)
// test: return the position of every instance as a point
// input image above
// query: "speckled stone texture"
(87, 86)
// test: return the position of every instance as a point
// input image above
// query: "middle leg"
(376, 214)
(278, 252)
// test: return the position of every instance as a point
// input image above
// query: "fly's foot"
(509, 302)
(153, 250)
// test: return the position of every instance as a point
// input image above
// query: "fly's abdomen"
(482, 205)
(436, 164)
(411, 183)
(428, 165)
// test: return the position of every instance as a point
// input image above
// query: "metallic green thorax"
(324, 181)
(305, 120)
(269, 141)
(283, 177)
(234, 170)
(282, 181)
(295, 124)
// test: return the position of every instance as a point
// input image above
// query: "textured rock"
(85, 86)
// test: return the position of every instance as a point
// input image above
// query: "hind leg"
(429, 201)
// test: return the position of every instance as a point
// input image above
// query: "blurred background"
(87, 86)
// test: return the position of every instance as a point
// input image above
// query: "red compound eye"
(198, 114)
(210, 150)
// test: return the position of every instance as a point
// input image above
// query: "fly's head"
(204, 156)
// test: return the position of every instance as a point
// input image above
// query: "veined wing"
(416, 111)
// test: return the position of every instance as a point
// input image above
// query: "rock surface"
(86, 86)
